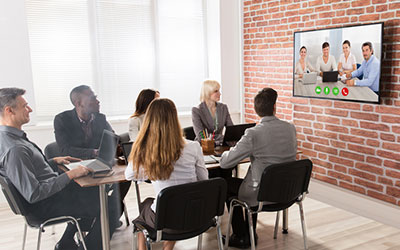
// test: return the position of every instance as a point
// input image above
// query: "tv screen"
(339, 63)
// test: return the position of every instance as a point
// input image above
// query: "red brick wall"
(353, 145)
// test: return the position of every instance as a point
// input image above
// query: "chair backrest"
(124, 137)
(189, 134)
(52, 150)
(284, 182)
(190, 206)
(15, 200)
(126, 149)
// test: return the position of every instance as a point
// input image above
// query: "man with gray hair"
(48, 193)
(369, 70)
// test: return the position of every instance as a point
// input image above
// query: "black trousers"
(82, 203)
(240, 225)
(123, 190)
(220, 172)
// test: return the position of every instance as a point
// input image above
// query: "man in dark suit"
(78, 131)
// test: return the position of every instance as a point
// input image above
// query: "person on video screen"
(326, 62)
(347, 61)
(303, 65)
(369, 69)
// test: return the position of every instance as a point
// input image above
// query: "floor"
(328, 228)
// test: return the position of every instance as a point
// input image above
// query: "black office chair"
(282, 185)
(189, 134)
(20, 206)
(52, 150)
(124, 137)
(190, 208)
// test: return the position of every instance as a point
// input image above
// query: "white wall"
(231, 54)
(15, 63)
(15, 66)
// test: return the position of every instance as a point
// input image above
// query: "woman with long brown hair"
(145, 97)
(161, 154)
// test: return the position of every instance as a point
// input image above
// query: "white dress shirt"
(134, 125)
(189, 167)
(330, 65)
(347, 65)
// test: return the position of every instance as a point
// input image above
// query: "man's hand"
(78, 172)
(350, 82)
(348, 75)
(65, 160)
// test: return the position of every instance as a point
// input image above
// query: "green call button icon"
(327, 90)
(335, 91)
(318, 90)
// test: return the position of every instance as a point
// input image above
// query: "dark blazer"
(202, 119)
(70, 137)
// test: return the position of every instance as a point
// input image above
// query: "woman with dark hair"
(303, 66)
(162, 155)
(347, 61)
(326, 62)
(143, 100)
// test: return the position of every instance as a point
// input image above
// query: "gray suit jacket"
(269, 142)
(202, 119)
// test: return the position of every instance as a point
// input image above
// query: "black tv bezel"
(340, 99)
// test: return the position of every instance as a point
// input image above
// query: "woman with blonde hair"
(145, 97)
(210, 115)
(162, 155)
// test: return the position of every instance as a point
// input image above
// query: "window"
(118, 47)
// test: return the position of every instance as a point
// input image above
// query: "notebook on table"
(105, 160)
(208, 159)
(234, 133)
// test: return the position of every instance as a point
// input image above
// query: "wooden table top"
(88, 181)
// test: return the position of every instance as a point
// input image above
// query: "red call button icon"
(345, 91)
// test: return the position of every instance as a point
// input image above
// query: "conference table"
(119, 176)
(88, 181)
(358, 93)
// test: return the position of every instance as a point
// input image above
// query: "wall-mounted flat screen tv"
(339, 63)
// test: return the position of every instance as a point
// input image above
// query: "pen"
(213, 134)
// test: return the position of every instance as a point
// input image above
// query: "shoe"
(66, 245)
(239, 242)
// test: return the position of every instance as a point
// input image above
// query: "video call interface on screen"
(338, 63)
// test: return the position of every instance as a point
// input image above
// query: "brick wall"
(353, 145)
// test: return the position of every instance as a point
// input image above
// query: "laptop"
(330, 76)
(126, 149)
(234, 133)
(309, 78)
(105, 160)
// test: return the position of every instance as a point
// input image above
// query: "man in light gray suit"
(269, 142)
